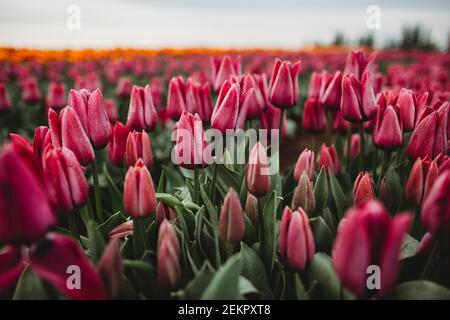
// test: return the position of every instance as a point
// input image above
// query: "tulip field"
(121, 178)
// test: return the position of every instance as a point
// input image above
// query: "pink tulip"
(357, 63)
(363, 189)
(231, 223)
(110, 267)
(314, 120)
(328, 158)
(117, 144)
(30, 91)
(5, 101)
(169, 270)
(124, 86)
(111, 110)
(223, 68)
(422, 176)
(176, 98)
(164, 212)
(305, 163)
(284, 91)
(257, 172)
(331, 91)
(138, 146)
(258, 83)
(42, 138)
(141, 112)
(56, 96)
(11, 266)
(358, 101)
(388, 131)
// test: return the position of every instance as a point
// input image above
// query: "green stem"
(97, 194)
(427, 270)
(73, 225)
(349, 143)
(212, 195)
(85, 214)
(140, 243)
(196, 185)
(386, 155)
(260, 222)
(363, 149)
(281, 123)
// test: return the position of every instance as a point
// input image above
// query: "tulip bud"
(64, 177)
(257, 105)
(305, 163)
(110, 267)
(284, 91)
(141, 112)
(169, 271)
(296, 242)
(314, 120)
(5, 101)
(328, 158)
(30, 91)
(198, 99)
(191, 143)
(124, 86)
(55, 96)
(358, 101)
(406, 102)
(385, 193)
(257, 173)
(117, 144)
(139, 194)
(25, 212)
(224, 68)
(363, 189)
(357, 63)
(231, 223)
(388, 131)
(164, 212)
(176, 98)
(123, 230)
(435, 212)
(139, 146)
(251, 208)
(331, 91)
(304, 195)
(369, 237)
(422, 176)
(111, 110)
(42, 138)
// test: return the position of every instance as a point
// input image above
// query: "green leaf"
(321, 191)
(168, 199)
(300, 291)
(253, 270)
(338, 196)
(30, 287)
(115, 220)
(268, 238)
(323, 236)
(409, 247)
(395, 188)
(197, 286)
(246, 287)
(160, 188)
(213, 217)
(95, 243)
(138, 265)
(419, 290)
(225, 283)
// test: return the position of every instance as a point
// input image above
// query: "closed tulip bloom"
(296, 242)
(385, 193)
(435, 214)
(357, 63)
(56, 96)
(422, 176)
(164, 212)
(331, 91)
(315, 82)
(42, 138)
(139, 194)
(368, 236)
(355, 146)
(257, 172)
(30, 91)
(176, 98)
(25, 211)
(388, 131)
(157, 92)
(406, 102)
(5, 101)
(305, 163)
(258, 103)
(169, 270)
(110, 267)
(328, 158)
(124, 86)
(304, 195)
(12, 265)
(223, 68)
(198, 99)
(231, 222)
(21, 142)
(284, 92)
(358, 102)
(429, 137)
(91, 112)
(139, 146)
(314, 120)
(117, 144)
(64, 177)
(191, 148)
(111, 110)
(141, 112)
(251, 208)
(123, 230)
(230, 111)
(363, 189)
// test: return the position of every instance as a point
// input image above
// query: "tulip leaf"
(95, 243)
(172, 178)
(268, 237)
(395, 189)
(250, 232)
(246, 287)
(113, 221)
(116, 195)
(419, 290)
(300, 291)
(197, 286)
(409, 247)
(160, 188)
(213, 217)
(168, 199)
(199, 227)
(338, 195)
(321, 191)
(323, 236)
(225, 283)
(253, 269)
(30, 287)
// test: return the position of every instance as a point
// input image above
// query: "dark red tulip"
(340, 125)
(358, 102)
(164, 212)
(284, 92)
(138, 146)
(11, 266)
(251, 208)
(406, 103)
(368, 236)
(257, 172)
(296, 242)
(42, 138)
(231, 223)
(388, 131)
(355, 146)
(169, 270)
(141, 112)
(314, 120)
(117, 144)
(328, 158)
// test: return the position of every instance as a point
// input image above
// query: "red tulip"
(5, 101)
(328, 158)
(64, 177)
(164, 212)
(340, 125)
(56, 96)
(42, 138)
(157, 92)
(331, 91)
(422, 176)
(59, 260)
(176, 98)
(123, 90)
(30, 91)
(296, 242)
(110, 267)
(169, 270)
(304, 195)
(429, 137)
(435, 212)
(251, 208)
(231, 223)
(363, 189)
(368, 236)
(388, 131)
(314, 120)
(284, 91)
(315, 81)
(357, 63)
(305, 163)
(231, 107)
(198, 99)
(141, 112)
(25, 211)
(258, 83)
(358, 102)
(21, 142)
(117, 144)
(111, 110)
(122, 230)
(91, 112)
(257, 172)
(11, 266)
(406, 102)
(355, 146)
(191, 143)
(139, 146)
(223, 68)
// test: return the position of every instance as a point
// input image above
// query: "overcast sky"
(232, 23)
